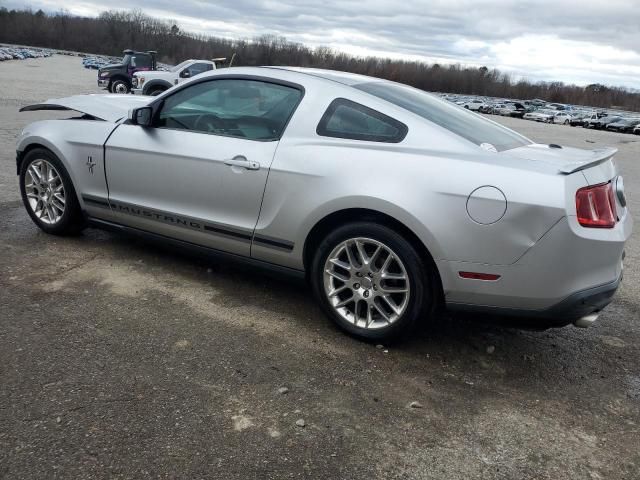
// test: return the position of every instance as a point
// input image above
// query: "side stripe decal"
(188, 222)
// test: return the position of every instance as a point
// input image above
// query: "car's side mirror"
(185, 74)
(142, 116)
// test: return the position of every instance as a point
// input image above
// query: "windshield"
(463, 123)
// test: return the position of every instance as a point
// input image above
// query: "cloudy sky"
(575, 41)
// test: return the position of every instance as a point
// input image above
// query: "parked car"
(602, 123)
(512, 109)
(540, 115)
(578, 120)
(155, 82)
(516, 109)
(474, 105)
(333, 176)
(595, 120)
(625, 125)
(562, 117)
(116, 78)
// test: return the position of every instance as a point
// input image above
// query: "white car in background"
(155, 82)
(474, 105)
(562, 118)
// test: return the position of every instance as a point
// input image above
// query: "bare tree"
(112, 31)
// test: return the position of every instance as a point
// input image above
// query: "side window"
(250, 109)
(347, 119)
(198, 68)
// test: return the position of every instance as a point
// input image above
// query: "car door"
(199, 172)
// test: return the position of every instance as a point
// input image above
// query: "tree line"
(113, 31)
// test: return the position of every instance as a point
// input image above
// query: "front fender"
(73, 144)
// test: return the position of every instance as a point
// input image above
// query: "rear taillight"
(596, 206)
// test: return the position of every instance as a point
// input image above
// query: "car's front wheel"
(119, 86)
(371, 281)
(48, 194)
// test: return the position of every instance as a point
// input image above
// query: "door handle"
(240, 161)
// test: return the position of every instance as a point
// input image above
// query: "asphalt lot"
(122, 359)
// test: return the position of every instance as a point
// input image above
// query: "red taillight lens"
(596, 206)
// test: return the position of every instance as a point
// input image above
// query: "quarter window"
(250, 109)
(347, 119)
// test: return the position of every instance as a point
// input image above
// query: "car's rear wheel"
(156, 92)
(48, 194)
(371, 281)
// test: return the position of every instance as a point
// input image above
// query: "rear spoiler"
(597, 156)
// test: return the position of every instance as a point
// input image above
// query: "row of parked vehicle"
(19, 53)
(541, 111)
(96, 62)
(606, 121)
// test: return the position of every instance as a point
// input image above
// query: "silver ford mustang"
(391, 201)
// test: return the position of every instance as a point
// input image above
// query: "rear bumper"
(569, 273)
(570, 310)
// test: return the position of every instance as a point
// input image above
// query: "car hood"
(565, 159)
(112, 66)
(110, 108)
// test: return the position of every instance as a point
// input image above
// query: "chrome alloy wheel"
(366, 283)
(45, 191)
(120, 88)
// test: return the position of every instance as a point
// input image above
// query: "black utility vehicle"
(117, 77)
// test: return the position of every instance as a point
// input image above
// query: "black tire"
(422, 297)
(119, 86)
(72, 221)
(157, 91)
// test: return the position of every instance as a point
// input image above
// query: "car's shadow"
(473, 347)
(239, 283)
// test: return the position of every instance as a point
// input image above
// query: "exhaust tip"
(587, 320)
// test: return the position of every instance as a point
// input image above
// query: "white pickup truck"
(155, 82)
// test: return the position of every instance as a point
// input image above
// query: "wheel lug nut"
(370, 274)
(358, 274)
(366, 293)
(356, 286)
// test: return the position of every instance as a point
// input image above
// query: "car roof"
(297, 74)
(345, 78)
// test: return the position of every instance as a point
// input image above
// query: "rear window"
(463, 123)
(347, 119)
(141, 61)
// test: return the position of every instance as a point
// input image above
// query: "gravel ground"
(120, 359)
